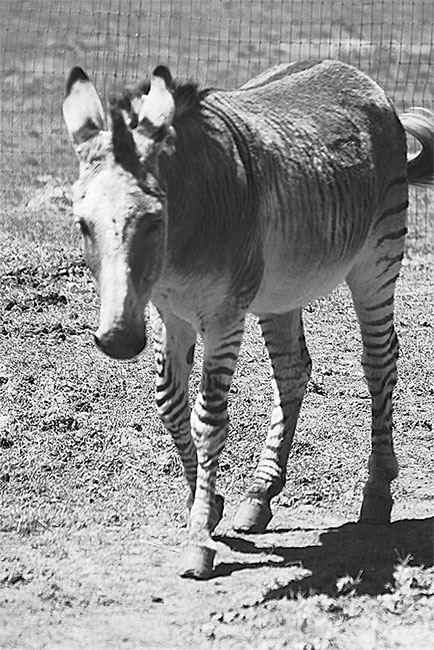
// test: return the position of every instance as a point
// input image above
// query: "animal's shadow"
(368, 553)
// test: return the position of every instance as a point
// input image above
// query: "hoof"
(252, 517)
(197, 562)
(376, 509)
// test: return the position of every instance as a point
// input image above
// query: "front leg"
(209, 427)
(174, 342)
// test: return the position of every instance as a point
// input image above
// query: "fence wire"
(217, 42)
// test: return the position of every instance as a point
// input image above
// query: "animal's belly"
(282, 291)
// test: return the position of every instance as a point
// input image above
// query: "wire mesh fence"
(217, 42)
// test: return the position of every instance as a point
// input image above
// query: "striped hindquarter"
(372, 282)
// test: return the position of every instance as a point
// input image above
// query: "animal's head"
(118, 200)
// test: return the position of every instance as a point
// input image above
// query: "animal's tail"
(419, 122)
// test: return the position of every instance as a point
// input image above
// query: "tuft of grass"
(412, 585)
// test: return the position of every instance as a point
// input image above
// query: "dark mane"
(188, 97)
(187, 94)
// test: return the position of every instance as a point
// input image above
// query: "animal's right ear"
(82, 109)
(158, 106)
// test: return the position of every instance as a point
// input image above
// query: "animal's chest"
(194, 299)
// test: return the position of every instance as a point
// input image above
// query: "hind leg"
(372, 284)
(291, 366)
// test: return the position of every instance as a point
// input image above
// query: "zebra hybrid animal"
(213, 203)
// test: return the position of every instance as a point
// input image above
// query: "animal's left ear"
(82, 109)
(158, 106)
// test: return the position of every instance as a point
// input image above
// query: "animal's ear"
(158, 106)
(82, 108)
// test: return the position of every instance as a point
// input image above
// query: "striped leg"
(291, 366)
(209, 426)
(174, 341)
(372, 284)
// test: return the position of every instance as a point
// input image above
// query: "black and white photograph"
(216, 324)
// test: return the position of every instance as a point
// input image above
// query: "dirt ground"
(294, 587)
(92, 495)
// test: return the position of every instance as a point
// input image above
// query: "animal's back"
(324, 145)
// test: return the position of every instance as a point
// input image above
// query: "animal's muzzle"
(121, 344)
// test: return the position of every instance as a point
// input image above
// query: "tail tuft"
(419, 122)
